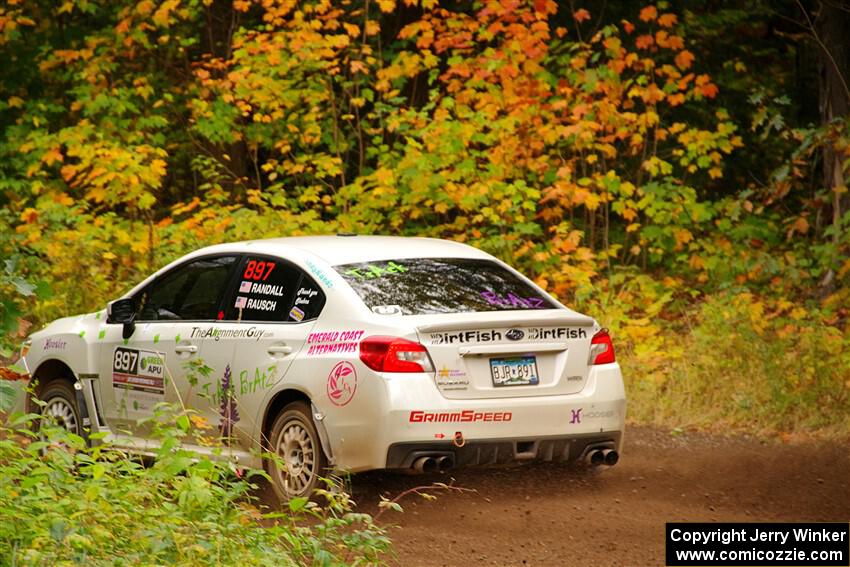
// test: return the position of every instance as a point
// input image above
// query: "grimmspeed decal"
(138, 378)
(495, 335)
(464, 416)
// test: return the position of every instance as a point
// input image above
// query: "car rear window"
(419, 286)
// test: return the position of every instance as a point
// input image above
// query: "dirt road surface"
(545, 514)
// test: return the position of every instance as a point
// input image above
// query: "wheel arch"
(279, 401)
(49, 371)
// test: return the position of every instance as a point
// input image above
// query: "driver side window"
(191, 292)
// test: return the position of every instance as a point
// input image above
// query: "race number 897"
(125, 360)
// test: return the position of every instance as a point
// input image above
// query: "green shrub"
(747, 364)
(62, 502)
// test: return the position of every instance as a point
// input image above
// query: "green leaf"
(24, 287)
(297, 504)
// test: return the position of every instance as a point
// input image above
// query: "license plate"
(514, 371)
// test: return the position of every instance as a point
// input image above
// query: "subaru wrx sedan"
(342, 352)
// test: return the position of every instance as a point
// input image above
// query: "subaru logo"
(514, 334)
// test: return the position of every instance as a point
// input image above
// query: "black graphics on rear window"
(419, 286)
(270, 289)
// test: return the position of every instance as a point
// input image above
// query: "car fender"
(72, 341)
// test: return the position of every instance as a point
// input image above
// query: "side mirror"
(122, 311)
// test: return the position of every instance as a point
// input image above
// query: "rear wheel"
(61, 406)
(294, 439)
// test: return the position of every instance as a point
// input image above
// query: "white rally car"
(343, 352)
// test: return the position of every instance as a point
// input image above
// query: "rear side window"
(419, 286)
(271, 289)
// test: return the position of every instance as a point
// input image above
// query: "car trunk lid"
(508, 353)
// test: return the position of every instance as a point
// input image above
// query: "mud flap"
(84, 411)
(319, 423)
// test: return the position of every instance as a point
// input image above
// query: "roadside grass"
(738, 363)
(62, 502)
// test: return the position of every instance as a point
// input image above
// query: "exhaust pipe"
(425, 465)
(444, 464)
(611, 457)
(596, 457)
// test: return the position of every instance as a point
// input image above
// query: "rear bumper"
(503, 451)
(409, 415)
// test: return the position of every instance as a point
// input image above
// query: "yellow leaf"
(29, 215)
(98, 194)
(384, 176)
(386, 6)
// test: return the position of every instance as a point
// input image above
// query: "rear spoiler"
(549, 318)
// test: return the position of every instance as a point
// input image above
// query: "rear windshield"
(420, 286)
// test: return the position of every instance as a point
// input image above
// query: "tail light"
(394, 354)
(601, 348)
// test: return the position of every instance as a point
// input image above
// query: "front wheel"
(294, 439)
(60, 406)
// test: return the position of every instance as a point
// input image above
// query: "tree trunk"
(831, 25)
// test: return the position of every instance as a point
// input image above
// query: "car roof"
(351, 249)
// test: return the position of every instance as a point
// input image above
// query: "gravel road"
(546, 514)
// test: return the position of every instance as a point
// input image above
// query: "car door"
(154, 364)
(269, 310)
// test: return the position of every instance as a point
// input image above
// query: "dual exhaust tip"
(435, 464)
(608, 457)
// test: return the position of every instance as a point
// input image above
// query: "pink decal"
(333, 342)
(342, 383)
(512, 300)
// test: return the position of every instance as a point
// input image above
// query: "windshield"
(422, 286)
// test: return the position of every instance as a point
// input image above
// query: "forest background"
(676, 169)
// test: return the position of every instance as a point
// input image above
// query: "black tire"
(294, 439)
(61, 405)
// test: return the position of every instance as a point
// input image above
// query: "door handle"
(191, 349)
(279, 349)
